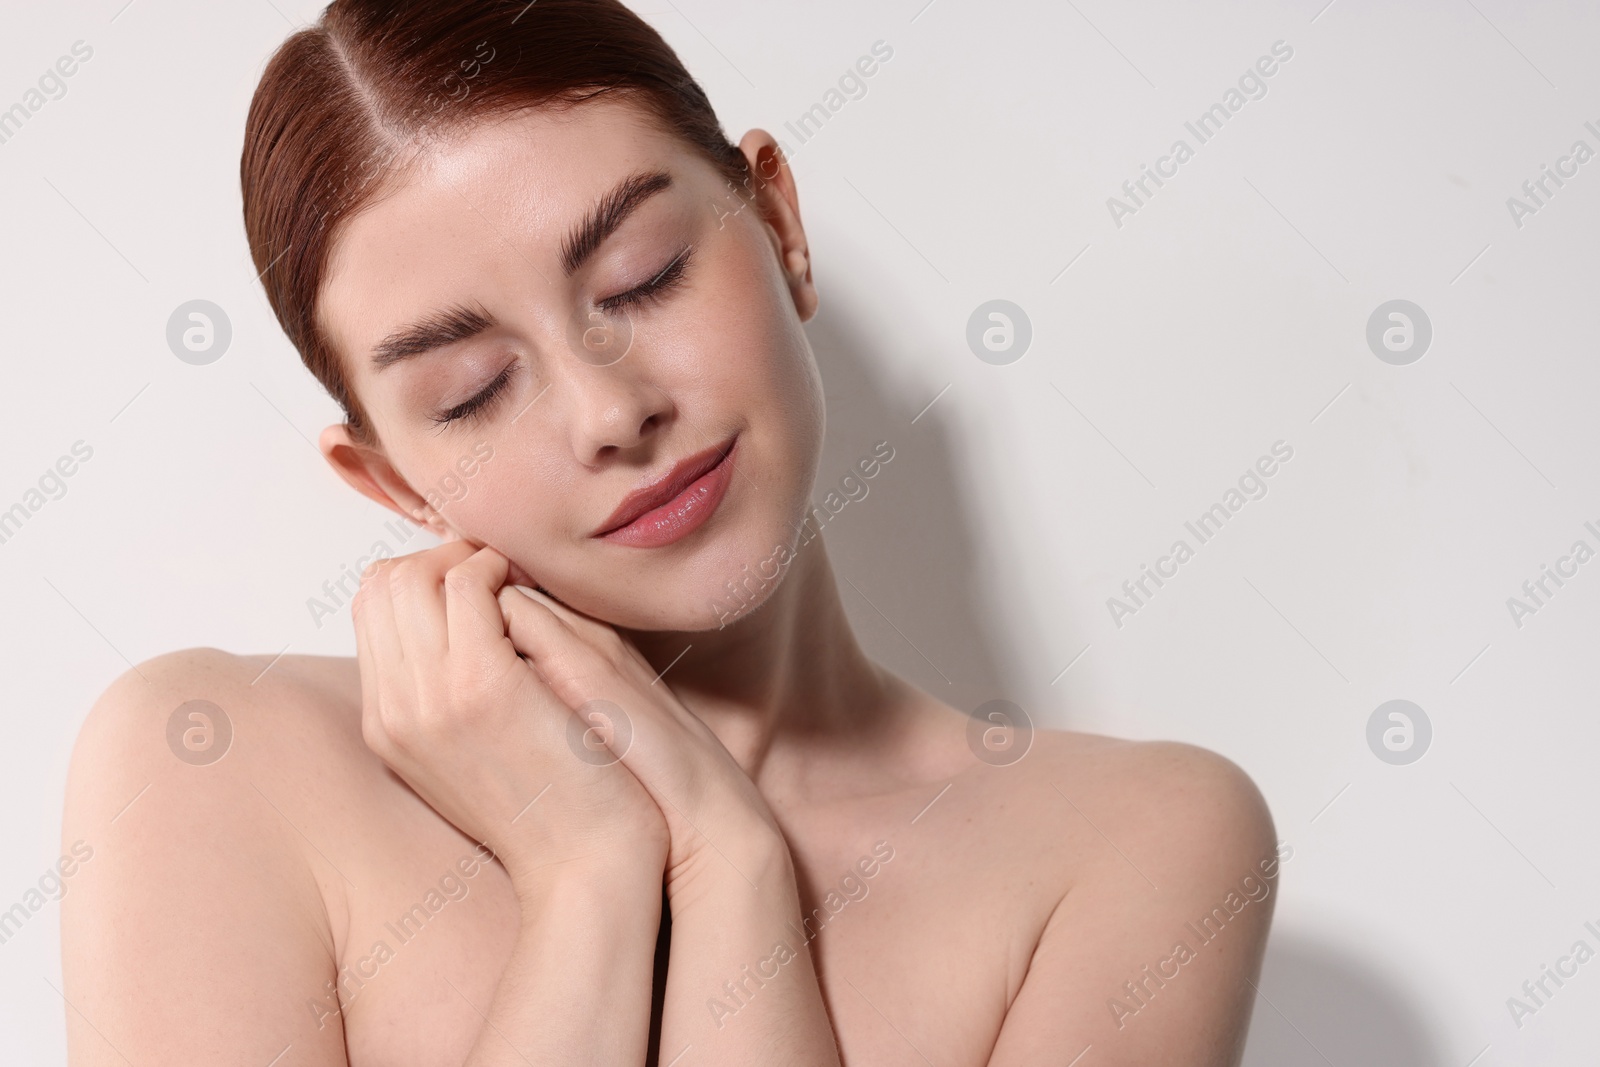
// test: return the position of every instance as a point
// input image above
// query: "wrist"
(749, 838)
(757, 867)
(610, 877)
(765, 859)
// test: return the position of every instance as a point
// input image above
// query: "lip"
(674, 505)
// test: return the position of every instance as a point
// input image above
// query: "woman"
(589, 792)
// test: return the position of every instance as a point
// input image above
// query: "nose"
(613, 409)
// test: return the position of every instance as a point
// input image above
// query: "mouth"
(675, 504)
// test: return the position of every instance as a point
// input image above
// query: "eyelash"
(471, 408)
(669, 276)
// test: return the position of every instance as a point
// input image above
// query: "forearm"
(578, 985)
(741, 988)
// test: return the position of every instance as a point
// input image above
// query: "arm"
(449, 704)
(736, 921)
(1142, 975)
(577, 987)
(195, 931)
(742, 989)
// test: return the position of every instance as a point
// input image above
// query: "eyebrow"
(610, 213)
(437, 330)
(457, 323)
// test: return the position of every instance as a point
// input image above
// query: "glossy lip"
(676, 503)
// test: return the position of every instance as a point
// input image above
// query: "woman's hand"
(730, 876)
(451, 707)
(720, 826)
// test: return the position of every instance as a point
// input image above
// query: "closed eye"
(665, 279)
(476, 405)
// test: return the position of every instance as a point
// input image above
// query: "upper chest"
(920, 920)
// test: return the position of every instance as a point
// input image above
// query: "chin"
(738, 571)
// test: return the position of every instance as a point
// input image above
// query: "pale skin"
(779, 787)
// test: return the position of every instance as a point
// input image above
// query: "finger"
(472, 612)
(371, 719)
(572, 668)
(378, 651)
(594, 632)
(375, 608)
(536, 633)
(572, 651)
(649, 740)
(417, 589)
(607, 643)
(582, 625)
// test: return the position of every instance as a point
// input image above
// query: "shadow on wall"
(1335, 1009)
(904, 554)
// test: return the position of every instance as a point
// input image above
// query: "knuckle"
(458, 579)
(376, 571)
(372, 579)
(403, 571)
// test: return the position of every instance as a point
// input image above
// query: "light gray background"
(1229, 313)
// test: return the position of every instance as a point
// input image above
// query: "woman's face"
(525, 381)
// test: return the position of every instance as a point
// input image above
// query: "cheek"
(761, 354)
(499, 506)
(799, 411)
(782, 388)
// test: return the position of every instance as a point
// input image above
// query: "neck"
(788, 672)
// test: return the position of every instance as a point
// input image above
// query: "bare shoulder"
(197, 791)
(1168, 867)
(206, 708)
(1193, 806)
(1159, 772)
(201, 745)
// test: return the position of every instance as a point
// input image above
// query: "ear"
(369, 472)
(779, 204)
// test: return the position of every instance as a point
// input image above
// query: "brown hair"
(355, 96)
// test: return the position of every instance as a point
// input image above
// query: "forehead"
(494, 200)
